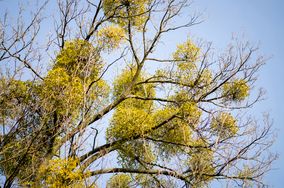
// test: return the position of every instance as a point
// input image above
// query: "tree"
(181, 124)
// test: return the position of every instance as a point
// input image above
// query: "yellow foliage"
(190, 111)
(129, 122)
(79, 58)
(77, 65)
(122, 83)
(58, 173)
(186, 54)
(13, 93)
(145, 181)
(188, 72)
(205, 78)
(126, 77)
(129, 152)
(31, 160)
(63, 92)
(124, 11)
(201, 165)
(110, 37)
(186, 108)
(141, 125)
(119, 181)
(237, 90)
(164, 114)
(224, 125)
(99, 90)
(178, 131)
(132, 118)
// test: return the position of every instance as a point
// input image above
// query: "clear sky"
(260, 21)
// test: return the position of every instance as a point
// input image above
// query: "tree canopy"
(95, 103)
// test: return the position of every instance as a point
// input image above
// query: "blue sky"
(260, 21)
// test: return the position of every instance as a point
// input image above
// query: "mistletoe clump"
(125, 11)
(237, 90)
(224, 125)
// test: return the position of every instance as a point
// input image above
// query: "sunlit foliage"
(79, 58)
(127, 11)
(201, 167)
(186, 54)
(111, 37)
(13, 94)
(64, 92)
(179, 131)
(119, 181)
(130, 122)
(109, 104)
(61, 173)
(236, 90)
(224, 125)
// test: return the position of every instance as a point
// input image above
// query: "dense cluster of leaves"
(224, 125)
(236, 90)
(169, 127)
(61, 173)
(110, 37)
(127, 12)
(59, 96)
(120, 180)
